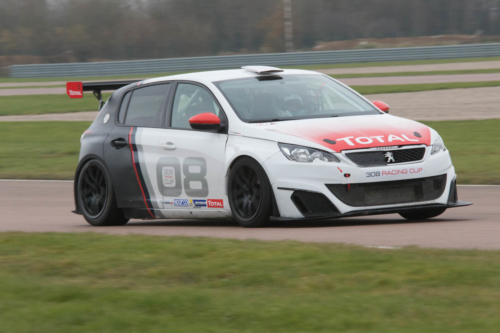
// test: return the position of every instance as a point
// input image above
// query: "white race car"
(257, 144)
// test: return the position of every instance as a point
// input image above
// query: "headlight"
(438, 146)
(304, 154)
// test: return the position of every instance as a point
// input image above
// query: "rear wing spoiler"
(76, 89)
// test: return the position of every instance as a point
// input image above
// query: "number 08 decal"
(194, 169)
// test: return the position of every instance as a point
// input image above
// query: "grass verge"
(455, 72)
(49, 150)
(90, 282)
(40, 150)
(401, 88)
(41, 104)
(337, 76)
(474, 148)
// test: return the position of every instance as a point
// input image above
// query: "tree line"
(84, 30)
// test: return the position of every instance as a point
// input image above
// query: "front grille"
(379, 158)
(312, 204)
(387, 193)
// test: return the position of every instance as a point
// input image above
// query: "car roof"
(222, 75)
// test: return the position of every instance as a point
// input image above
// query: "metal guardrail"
(236, 61)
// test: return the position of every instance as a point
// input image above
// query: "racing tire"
(96, 196)
(250, 194)
(423, 214)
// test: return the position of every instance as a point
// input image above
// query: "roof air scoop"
(262, 69)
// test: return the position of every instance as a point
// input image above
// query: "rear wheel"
(96, 196)
(250, 194)
(423, 214)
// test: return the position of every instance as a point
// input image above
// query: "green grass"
(337, 76)
(49, 150)
(311, 67)
(90, 78)
(395, 63)
(40, 104)
(474, 147)
(390, 74)
(40, 150)
(101, 283)
(400, 88)
(34, 87)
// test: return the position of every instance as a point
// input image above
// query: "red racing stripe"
(136, 174)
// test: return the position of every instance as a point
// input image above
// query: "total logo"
(75, 93)
(366, 140)
(215, 203)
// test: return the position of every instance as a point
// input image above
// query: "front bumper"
(291, 178)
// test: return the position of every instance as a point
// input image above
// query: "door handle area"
(119, 143)
(169, 146)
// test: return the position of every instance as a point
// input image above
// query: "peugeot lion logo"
(390, 157)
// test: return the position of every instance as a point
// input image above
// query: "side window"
(191, 100)
(146, 106)
(123, 108)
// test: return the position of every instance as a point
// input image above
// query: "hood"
(355, 132)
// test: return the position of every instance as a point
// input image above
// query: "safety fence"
(235, 61)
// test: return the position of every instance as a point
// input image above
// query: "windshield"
(289, 97)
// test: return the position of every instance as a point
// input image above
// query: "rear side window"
(123, 108)
(146, 106)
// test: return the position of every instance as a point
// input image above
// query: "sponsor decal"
(168, 176)
(181, 202)
(74, 89)
(394, 172)
(199, 203)
(215, 203)
(367, 140)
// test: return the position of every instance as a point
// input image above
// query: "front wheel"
(250, 194)
(96, 196)
(423, 214)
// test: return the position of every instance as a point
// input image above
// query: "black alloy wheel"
(247, 192)
(96, 197)
(93, 190)
(250, 193)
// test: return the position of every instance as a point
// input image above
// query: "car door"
(132, 148)
(191, 167)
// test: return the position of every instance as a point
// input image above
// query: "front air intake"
(312, 204)
(389, 193)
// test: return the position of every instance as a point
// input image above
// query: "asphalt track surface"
(45, 206)
(368, 81)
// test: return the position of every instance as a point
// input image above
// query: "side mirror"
(382, 106)
(205, 122)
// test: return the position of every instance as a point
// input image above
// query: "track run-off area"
(45, 206)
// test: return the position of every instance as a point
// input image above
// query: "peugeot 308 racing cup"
(257, 144)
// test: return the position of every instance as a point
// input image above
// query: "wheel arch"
(78, 171)
(276, 212)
